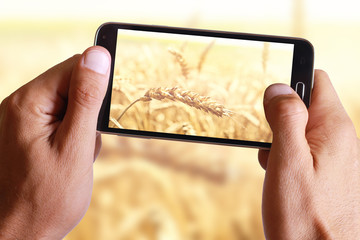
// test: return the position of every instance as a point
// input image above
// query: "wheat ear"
(189, 98)
(182, 62)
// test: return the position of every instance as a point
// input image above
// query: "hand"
(48, 143)
(312, 181)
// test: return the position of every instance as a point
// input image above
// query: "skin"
(48, 145)
(312, 181)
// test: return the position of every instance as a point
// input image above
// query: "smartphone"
(197, 85)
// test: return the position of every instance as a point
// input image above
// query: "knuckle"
(321, 75)
(4, 103)
(3, 107)
(321, 72)
(288, 108)
(12, 116)
(11, 106)
(76, 57)
(87, 95)
(334, 134)
(341, 127)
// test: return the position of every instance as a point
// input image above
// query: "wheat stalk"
(203, 55)
(183, 46)
(189, 98)
(113, 120)
(265, 56)
(182, 62)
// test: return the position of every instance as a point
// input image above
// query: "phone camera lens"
(104, 37)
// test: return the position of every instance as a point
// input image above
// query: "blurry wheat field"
(157, 189)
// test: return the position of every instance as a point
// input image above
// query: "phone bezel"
(302, 71)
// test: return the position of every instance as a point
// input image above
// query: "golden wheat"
(182, 62)
(203, 55)
(190, 98)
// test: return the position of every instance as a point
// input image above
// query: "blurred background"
(156, 189)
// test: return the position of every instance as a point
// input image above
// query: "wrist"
(297, 228)
(21, 221)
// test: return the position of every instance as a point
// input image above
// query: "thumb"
(87, 89)
(287, 116)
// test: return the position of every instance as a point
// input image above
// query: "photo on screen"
(195, 85)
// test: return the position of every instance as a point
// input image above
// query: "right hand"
(312, 180)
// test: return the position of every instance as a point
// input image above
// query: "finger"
(56, 80)
(37, 106)
(325, 102)
(287, 116)
(98, 145)
(87, 89)
(47, 89)
(263, 156)
(328, 121)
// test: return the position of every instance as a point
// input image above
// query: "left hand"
(48, 143)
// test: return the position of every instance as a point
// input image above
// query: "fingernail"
(97, 61)
(276, 90)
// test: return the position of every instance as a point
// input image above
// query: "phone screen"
(195, 85)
